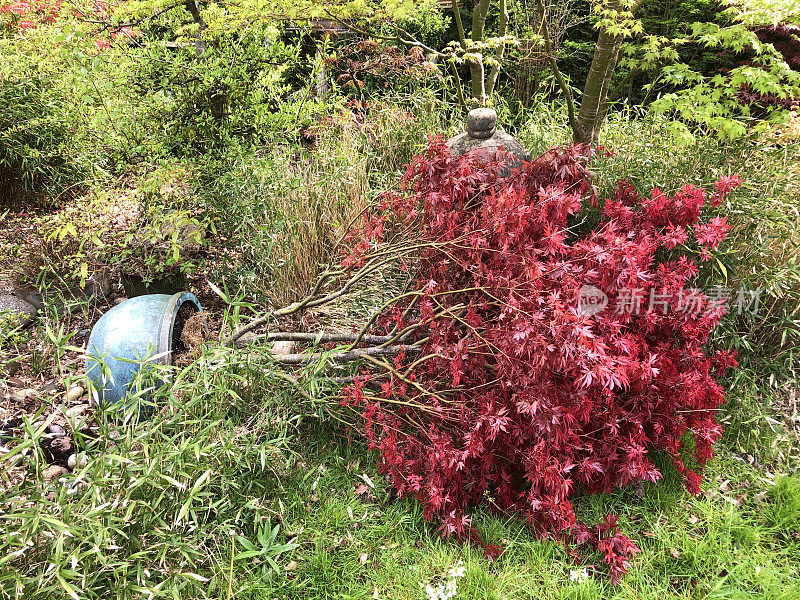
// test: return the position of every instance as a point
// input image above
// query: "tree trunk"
(594, 103)
(595, 93)
(194, 10)
(321, 86)
(495, 70)
(476, 67)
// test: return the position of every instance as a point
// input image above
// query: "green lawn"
(740, 538)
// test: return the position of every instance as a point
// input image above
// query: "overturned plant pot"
(145, 329)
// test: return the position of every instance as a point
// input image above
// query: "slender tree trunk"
(494, 72)
(595, 92)
(476, 68)
(194, 10)
(594, 102)
(321, 86)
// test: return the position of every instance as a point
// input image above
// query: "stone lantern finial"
(483, 135)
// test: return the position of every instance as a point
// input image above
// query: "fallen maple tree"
(493, 383)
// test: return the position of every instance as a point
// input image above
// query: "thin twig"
(342, 357)
(317, 338)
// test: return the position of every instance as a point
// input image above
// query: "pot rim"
(167, 321)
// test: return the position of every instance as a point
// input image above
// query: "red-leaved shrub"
(520, 398)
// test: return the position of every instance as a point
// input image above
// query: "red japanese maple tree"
(518, 397)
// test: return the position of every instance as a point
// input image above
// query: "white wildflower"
(458, 571)
(578, 575)
(445, 591)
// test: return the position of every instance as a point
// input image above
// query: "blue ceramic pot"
(133, 332)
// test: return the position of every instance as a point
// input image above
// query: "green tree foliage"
(714, 102)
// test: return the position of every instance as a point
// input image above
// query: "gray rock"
(483, 136)
(53, 472)
(16, 311)
(59, 449)
(74, 393)
(22, 395)
(56, 431)
(283, 348)
(31, 296)
(77, 460)
(76, 411)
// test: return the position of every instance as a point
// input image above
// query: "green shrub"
(162, 508)
(35, 153)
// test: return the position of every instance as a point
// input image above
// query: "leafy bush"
(520, 395)
(281, 213)
(164, 510)
(232, 95)
(35, 141)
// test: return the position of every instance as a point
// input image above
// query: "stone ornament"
(482, 123)
(482, 134)
(16, 311)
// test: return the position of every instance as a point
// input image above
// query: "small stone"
(76, 411)
(22, 395)
(119, 300)
(56, 431)
(283, 348)
(54, 472)
(76, 460)
(16, 311)
(74, 393)
(61, 448)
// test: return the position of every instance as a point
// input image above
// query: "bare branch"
(343, 357)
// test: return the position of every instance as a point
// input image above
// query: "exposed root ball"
(195, 332)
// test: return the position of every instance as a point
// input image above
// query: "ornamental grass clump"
(517, 395)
